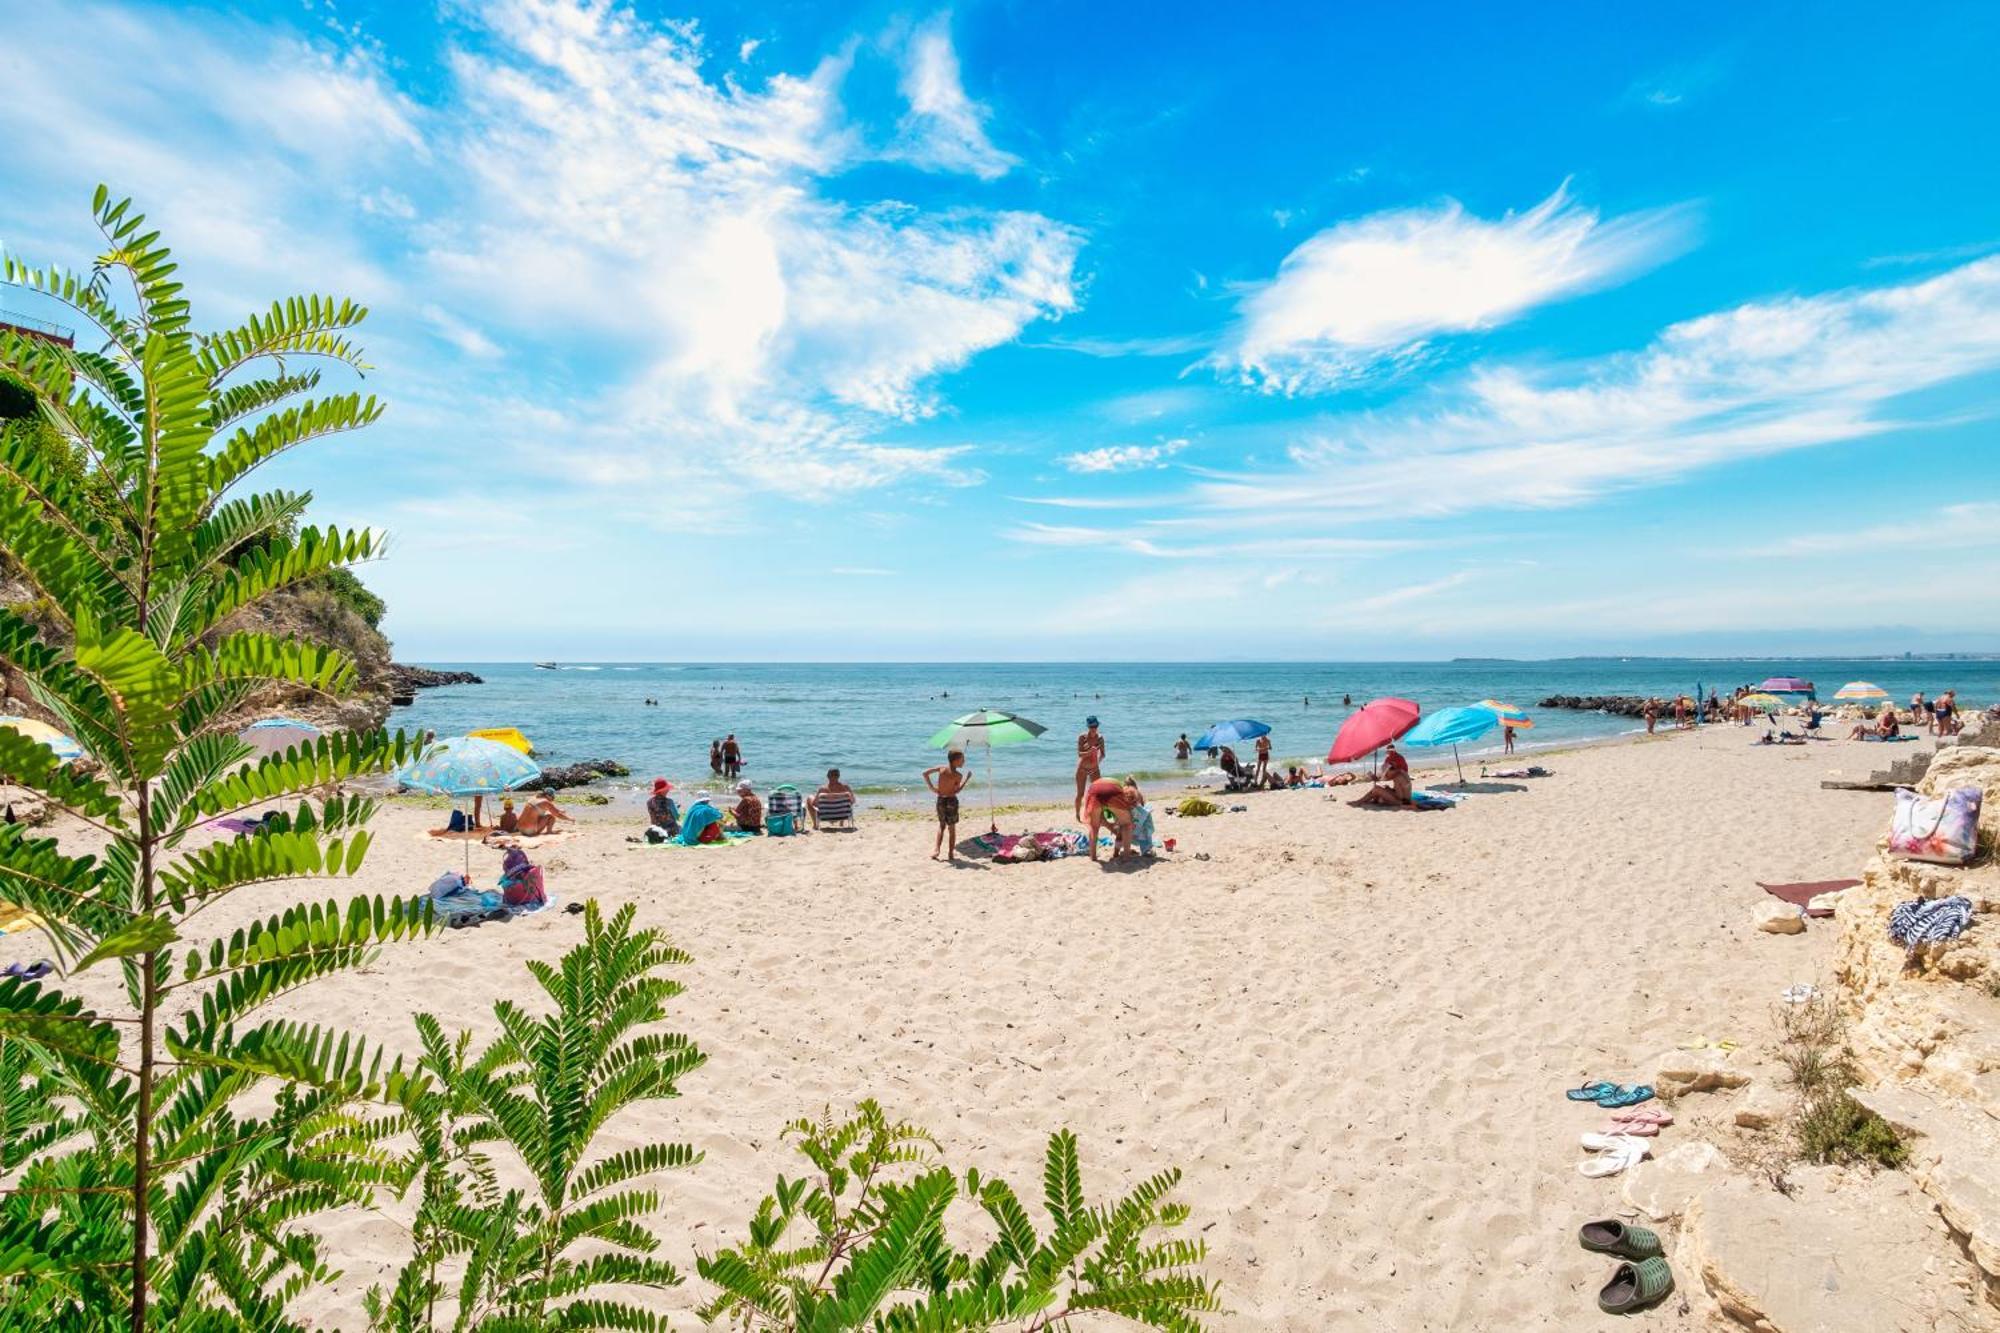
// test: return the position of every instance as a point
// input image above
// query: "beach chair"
(835, 808)
(782, 811)
(1237, 775)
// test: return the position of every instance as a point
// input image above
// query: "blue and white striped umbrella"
(274, 734)
(468, 766)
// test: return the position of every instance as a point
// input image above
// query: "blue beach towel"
(699, 816)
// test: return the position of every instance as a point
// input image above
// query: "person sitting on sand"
(1397, 790)
(947, 781)
(661, 812)
(702, 823)
(510, 819)
(1886, 727)
(1108, 801)
(539, 816)
(1181, 747)
(749, 809)
(835, 788)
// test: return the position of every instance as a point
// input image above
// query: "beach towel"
(1799, 895)
(1532, 771)
(456, 903)
(1432, 800)
(1922, 921)
(1142, 829)
(722, 839)
(1048, 845)
(14, 919)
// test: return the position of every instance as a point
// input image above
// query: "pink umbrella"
(1373, 726)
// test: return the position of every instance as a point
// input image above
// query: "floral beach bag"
(1943, 828)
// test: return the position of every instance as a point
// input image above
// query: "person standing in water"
(732, 757)
(1089, 759)
(1181, 747)
(715, 757)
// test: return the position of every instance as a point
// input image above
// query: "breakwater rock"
(406, 679)
(1619, 705)
(581, 774)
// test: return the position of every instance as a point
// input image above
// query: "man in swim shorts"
(947, 780)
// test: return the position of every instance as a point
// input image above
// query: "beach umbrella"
(1372, 726)
(272, 735)
(1763, 703)
(64, 747)
(510, 736)
(468, 766)
(1786, 685)
(1453, 727)
(1231, 733)
(986, 729)
(1512, 716)
(1860, 689)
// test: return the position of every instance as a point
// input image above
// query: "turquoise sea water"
(796, 720)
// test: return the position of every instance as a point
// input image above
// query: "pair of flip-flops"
(28, 971)
(1612, 1153)
(1612, 1096)
(1643, 1278)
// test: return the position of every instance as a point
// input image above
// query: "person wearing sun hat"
(1089, 759)
(661, 812)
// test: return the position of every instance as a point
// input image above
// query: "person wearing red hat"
(661, 812)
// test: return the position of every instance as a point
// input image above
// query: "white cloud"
(1950, 528)
(1149, 543)
(748, 48)
(1759, 379)
(945, 130)
(1123, 457)
(1372, 292)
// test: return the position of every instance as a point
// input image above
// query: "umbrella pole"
(1461, 766)
(992, 813)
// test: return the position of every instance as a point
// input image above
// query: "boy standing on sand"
(947, 780)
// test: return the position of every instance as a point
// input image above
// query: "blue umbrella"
(468, 766)
(1453, 726)
(1231, 733)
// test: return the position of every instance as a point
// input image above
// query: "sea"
(872, 720)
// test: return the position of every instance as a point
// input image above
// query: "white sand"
(1352, 1028)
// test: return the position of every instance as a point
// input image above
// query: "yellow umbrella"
(505, 736)
(64, 747)
(1763, 703)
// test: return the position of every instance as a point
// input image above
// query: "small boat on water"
(547, 666)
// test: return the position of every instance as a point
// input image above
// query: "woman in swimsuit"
(1089, 759)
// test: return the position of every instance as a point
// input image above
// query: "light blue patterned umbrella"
(468, 766)
(63, 747)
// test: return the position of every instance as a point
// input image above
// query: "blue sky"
(1046, 330)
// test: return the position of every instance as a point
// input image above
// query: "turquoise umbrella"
(468, 766)
(986, 729)
(1453, 726)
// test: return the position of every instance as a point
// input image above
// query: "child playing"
(947, 780)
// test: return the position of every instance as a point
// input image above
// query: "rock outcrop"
(406, 679)
(581, 774)
(1925, 1024)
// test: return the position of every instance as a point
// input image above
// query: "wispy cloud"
(1123, 457)
(945, 130)
(1179, 344)
(1139, 541)
(1759, 379)
(1951, 528)
(1948, 254)
(1373, 292)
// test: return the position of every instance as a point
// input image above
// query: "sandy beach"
(1351, 1028)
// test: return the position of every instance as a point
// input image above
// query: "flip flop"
(29, 971)
(1611, 1163)
(1634, 1286)
(1709, 1044)
(1637, 1129)
(1611, 1236)
(1590, 1092)
(1621, 1097)
(1643, 1115)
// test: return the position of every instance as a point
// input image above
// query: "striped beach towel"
(1922, 921)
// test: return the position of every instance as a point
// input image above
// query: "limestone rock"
(26, 807)
(1869, 1254)
(1678, 1073)
(1778, 918)
(1762, 1108)
(1664, 1185)
(1826, 903)
(1954, 1158)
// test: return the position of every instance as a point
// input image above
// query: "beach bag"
(657, 835)
(458, 823)
(781, 826)
(523, 888)
(1944, 829)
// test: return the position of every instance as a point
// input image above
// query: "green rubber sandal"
(1633, 1287)
(1614, 1237)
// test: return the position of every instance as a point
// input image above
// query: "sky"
(1054, 330)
